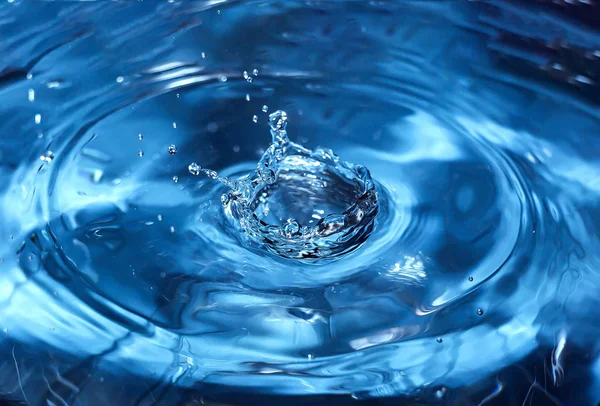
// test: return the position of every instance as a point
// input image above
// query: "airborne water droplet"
(47, 157)
(194, 168)
(265, 108)
(247, 97)
(479, 312)
(172, 149)
(223, 78)
(255, 118)
(245, 74)
(140, 137)
(175, 178)
(255, 72)
(470, 279)
(140, 153)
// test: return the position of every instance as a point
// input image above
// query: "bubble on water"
(255, 72)
(175, 178)
(194, 169)
(479, 312)
(255, 118)
(290, 228)
(31, 95)
(140, 153)
(249, 80)
(140, 137)
(223, 78)
(47, 157)
(172, 149)
(265, 108)
(470, 279)
(120, 79)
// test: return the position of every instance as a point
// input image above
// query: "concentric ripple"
(461, 267)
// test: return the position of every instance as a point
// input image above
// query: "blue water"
(471, 277)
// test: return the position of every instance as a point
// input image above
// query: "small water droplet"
(212, 174)
(218, 11)
(440, 393)
(225, 199)
(255, 72)
(38, 118)
(29, 76)
(245, 75)
(290, 228)
(310, 357)
(223, 78)
(236, 148)
(119, 79)
(249, 80)
(140, 153)
(47, 157)
(247, 97)
(265, 108)
(172, 149)
(159, 217)
(31, 95)
(203, 55)
(172, 229)
(439, 339)
(194, 168)
(140, 137)
(470, 279)
(479, 312)
(174, 125)
(175, 178)
(255, 118)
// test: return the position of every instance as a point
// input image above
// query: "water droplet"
(174, 125)
(249, 80)
(225, 199)
(265, 108)
(236, 148)
(172, 229)
(255, 72)
(245, 75)
(203, 55)
(440, 393)
(439, 339)
(470, 279)
(194, 169)
(212, 174)
(290, 228)
(255, 118)
(159, 217)
(218, 11)
(175, 178)
(119, 79)
(29, 76)
(247, 97)
(172, 149)
(47, 157)
(31, 95)
(310, 357)
(140, 137)
(479, 312)
(223, 78)
(38, 118)
(140, 153)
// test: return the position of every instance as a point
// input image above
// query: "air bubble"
(470, 279)
(223, 78)
(47, 157)
(140, 153)
(249, 80)
(255, 72)
(255, 118)
(175, 178)
(140, 137)
(203, 55)
(172, 149)
(265, 108)
(120, 79)
(439, 339)
(479, 312)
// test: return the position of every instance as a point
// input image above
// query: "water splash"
(299, 203)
